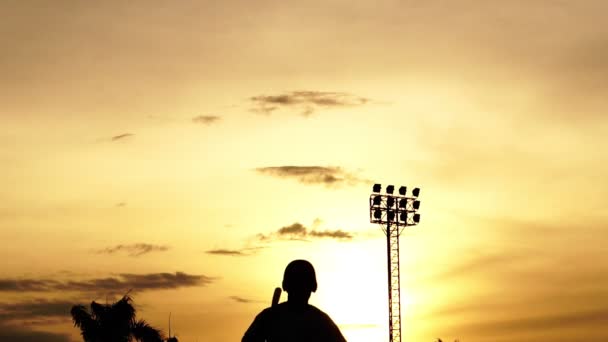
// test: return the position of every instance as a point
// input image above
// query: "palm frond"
(80, 315)
(143, 332)
(82, 319)
(124, 310)
(99, 311)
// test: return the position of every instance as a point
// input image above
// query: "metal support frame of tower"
(395, 212)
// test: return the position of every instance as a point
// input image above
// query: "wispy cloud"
(244, 300)
(22, 334)
(305, 101)
(334, 234)
(234, 252)
(292, 232)
(44, 321)
(298, 231)
(112, 285)
(134, 250)
(230, 252)
(122, 136)
(294, 229)
(27, 285)
(206, 119)
(138, 282)
(35, 309)
(325, 175)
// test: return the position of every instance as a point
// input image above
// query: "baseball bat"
(276, 296)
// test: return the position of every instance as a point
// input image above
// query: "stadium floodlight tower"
(394, 213)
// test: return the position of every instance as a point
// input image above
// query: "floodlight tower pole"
(394, 285)
(397, 212)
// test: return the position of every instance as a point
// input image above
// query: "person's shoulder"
(332, 329)
(274, 309)
(318, 311)
(264, 313)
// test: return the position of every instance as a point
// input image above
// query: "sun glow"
(352, 288)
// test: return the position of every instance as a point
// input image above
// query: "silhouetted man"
(295, 320)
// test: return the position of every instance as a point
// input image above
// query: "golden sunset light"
(185, 152)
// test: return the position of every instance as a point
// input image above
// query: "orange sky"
(147, 145)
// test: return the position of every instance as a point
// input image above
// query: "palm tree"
(113, 323)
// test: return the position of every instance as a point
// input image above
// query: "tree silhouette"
(113, 323)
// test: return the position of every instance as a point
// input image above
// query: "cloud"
(33, 313)
(206, 119)
(231, 252)
(244, 300)
(325, 175)
(306, 101)
(134, 250)
(294, 229)
(334, 234)
(35, 309)
(26, 285)
(298, 231)
(122, 136)
(113, 285)
(138, 282)
(40, 322)
(21, 334)
(234, 252)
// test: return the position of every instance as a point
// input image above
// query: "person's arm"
(334, 333)
(257, 329)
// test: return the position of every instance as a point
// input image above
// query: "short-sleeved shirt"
(284, 323)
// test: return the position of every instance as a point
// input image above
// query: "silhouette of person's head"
(295, 319)
(299, 280)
